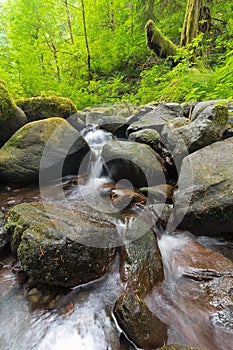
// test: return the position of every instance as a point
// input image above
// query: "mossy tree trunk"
(160, 44)
(191, 21)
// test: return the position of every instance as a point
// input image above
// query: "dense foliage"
(94, 51)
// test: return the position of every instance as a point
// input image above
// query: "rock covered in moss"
(204, 200)
(40, 107)
(55, 244)
(11, 116)
(62, 148)
(140, 325)
(136, 162)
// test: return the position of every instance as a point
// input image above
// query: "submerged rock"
(11, 116)
(159, 193)
(40, 107)
(133, 161)
(122, 198)
(204, 201)
(140, 325)
(59, 246)
(62, 148)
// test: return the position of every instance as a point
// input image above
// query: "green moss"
(222, 113)
(7, 104)
(156, 41)
(46, 107)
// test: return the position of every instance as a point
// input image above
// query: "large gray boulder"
(59, 246)
(204, 201)
(207, 128)
(11, 116)
(50, 146)
(200, 106)
(157, 117)
(133, 161)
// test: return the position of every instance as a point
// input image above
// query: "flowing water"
(178, 301)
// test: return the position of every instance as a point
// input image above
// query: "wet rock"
(159, 193)
(162, 213)
(11, 117)
(61, 146)
(220, 295)
(140, 325)
(141, 263)
(204, 201)
(207, 128)
(201, 263)
(135, 162)
(59, 246)
(123, 198)
(157, 118)
(40, 107)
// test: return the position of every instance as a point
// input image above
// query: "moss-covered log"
(160, 44)
(191, 21)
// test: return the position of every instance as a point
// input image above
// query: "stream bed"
(178, 301)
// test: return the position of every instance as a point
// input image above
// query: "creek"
(178, 301)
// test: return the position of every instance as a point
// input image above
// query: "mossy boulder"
(204, 198)
(141, 262)
(140, 325)
(40, 107)
(55, 244)
(52, 140)
(133, 161)
(11, 116)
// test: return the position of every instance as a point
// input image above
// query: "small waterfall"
(96, 138)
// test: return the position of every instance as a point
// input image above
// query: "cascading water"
(96, 138)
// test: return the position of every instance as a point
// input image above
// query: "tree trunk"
(69, 21)
(191, 22)
(86, 42)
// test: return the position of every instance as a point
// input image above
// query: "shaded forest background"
(94, 51)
